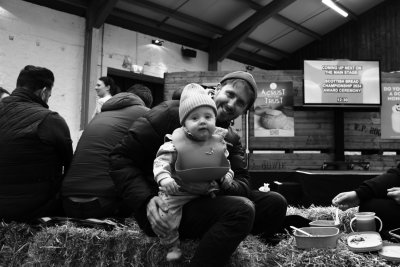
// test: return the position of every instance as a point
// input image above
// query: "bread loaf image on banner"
(274, 119)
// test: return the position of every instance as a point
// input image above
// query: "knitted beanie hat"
(244, 76)
(194, 96)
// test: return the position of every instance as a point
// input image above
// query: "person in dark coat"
(35, 149)
(88, 191)
(380, 194)
(220, 223)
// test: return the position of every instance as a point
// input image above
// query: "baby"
(192, 162)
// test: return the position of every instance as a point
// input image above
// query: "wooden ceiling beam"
(179, 16)
(144, 25)
(150, 27)
(297, 27)
(76, 7)
(172, 34)
(202, 24)
(231, 40)
(253, 58)
(98, 11)
(262, 46)
(286, 21)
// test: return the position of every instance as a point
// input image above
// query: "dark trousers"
(99, 208)
(270, 213)
(223, 222)
(26, 202)
(386, 209)
(220, 223)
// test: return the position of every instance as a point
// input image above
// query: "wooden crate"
(288, 161)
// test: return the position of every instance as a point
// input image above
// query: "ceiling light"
(332, 5)
(157, 42)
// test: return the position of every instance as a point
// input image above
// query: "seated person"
(380, 194)
(179, 167)
(219, 223)
(87, 189)
(35, 149)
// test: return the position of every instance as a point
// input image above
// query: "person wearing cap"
(87, 189)
(219, 223)
(191, 162)
(35, 149)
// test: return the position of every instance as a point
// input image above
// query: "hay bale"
(15, 239)
(70, 245)
(325, 213)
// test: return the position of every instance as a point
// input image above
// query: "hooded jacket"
(88, 175)
(132, 159)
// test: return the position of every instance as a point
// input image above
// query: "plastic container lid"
(391, 252)
(364, 241)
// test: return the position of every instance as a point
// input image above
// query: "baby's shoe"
(174, 253)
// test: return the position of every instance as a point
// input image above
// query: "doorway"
(125, 79)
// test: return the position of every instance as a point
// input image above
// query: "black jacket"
(377, 187)
(132, 160)
(88, 175)
(35, 149)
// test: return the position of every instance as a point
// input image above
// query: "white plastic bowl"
(322, 237)
(324, 223)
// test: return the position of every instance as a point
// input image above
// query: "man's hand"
(394, 193)
(159, 226)
(169, 186)
(346, 200)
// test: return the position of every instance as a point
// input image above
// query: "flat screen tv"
(341, 83)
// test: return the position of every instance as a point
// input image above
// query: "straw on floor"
(72, 245)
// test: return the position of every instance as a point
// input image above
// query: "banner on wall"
(273, 110)
(390, 111)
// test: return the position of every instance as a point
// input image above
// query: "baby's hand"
(169, 186)
(227, 180)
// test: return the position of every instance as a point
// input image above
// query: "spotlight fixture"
(157, 42)
(335, 7)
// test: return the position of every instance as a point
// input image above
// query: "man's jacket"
(35, 149)
(88, 175)
(132, 160)
(377, 187)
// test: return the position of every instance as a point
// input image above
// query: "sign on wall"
(390, 111)
(273, 110)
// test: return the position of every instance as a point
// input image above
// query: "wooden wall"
(314, 128)
(374, 36)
